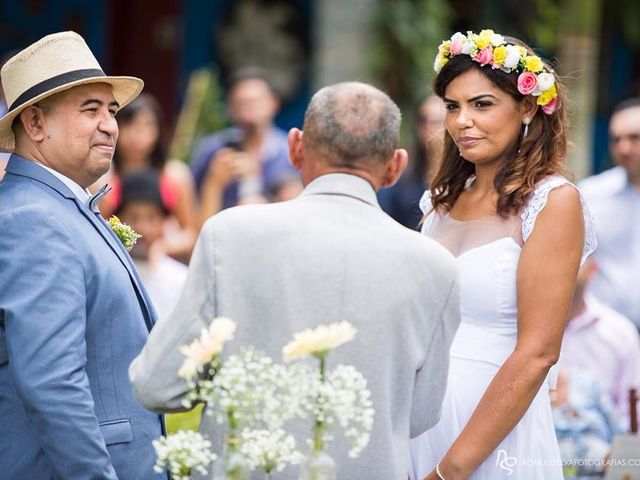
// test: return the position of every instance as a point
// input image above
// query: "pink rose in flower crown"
(527, 83)
(457, 41)
(550, 107)
(484, 56)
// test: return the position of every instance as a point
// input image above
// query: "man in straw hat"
(73, 313)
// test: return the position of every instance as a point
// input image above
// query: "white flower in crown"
(439, 62)
(319, 341)
(512, 59)
(497, 40)
(469, 47)
(545, 81)
(203, 350)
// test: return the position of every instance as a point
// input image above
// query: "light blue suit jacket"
(73, 315)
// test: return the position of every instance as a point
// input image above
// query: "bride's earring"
(526, 122)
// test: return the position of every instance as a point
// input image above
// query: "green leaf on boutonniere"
(127, 235)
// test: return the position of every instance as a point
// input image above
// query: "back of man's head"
(351, 124)
(633, 102)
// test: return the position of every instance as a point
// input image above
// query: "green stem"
(319, 427)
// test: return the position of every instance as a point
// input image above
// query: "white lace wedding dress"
(487, 252)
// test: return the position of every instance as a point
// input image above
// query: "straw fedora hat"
(54, 63)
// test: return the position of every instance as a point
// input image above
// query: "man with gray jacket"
(329, 255)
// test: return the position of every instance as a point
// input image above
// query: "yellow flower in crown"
(499, 55)
(533, 63)
(547, 96)
(484, 38)
(445, 47)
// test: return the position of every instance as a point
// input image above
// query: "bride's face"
(484, 121)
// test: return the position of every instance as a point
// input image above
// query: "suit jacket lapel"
(116, 246)
(26, 168)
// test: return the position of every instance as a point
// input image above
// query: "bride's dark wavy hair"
(541, 154)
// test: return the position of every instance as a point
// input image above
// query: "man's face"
(80, 132)
(146, 218)
(251, 105)
(624, 136)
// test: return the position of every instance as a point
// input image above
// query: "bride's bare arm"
(546, 278)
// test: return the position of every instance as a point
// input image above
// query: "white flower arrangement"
(269, 450)
(319, 340)
(182, 453)
(256, 397)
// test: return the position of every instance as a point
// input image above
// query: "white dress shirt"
(81, 193)
(615, 206)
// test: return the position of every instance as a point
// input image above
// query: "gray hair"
(352, 122)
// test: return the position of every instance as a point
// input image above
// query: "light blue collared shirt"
(615, 206)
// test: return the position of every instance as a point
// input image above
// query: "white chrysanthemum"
(203, 350)
(183, 452)
(269, 450)
(319, 340)
(513, 57)
(545, 81)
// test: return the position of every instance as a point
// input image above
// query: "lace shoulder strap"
(538, 201)
(426, 207)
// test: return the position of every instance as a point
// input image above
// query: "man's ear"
(395, 167)
(32, 121)
(295, 148)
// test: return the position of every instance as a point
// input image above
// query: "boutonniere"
(127, 235)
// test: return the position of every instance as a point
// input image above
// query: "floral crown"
(490, 48)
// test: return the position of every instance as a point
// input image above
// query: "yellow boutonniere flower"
(533, 63)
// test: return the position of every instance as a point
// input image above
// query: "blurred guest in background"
(401, 200)
(603, 343)
(144, 209)
(141, 147)
(585, 424)
(614, 200)
(248, 163)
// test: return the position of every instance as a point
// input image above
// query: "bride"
(519, 231)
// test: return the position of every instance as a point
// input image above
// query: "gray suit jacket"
(329, 255)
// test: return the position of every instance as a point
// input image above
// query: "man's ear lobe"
(295, 147)
(395, 167)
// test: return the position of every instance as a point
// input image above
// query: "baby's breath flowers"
(182, 453)
(205, 350)
(337, 397)
(127, 235)
(319, 341)
(269, 450)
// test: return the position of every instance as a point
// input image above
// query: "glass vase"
(230, 466)
(318, 466)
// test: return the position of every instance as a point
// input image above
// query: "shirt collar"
(77, 190)
(343, 184)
